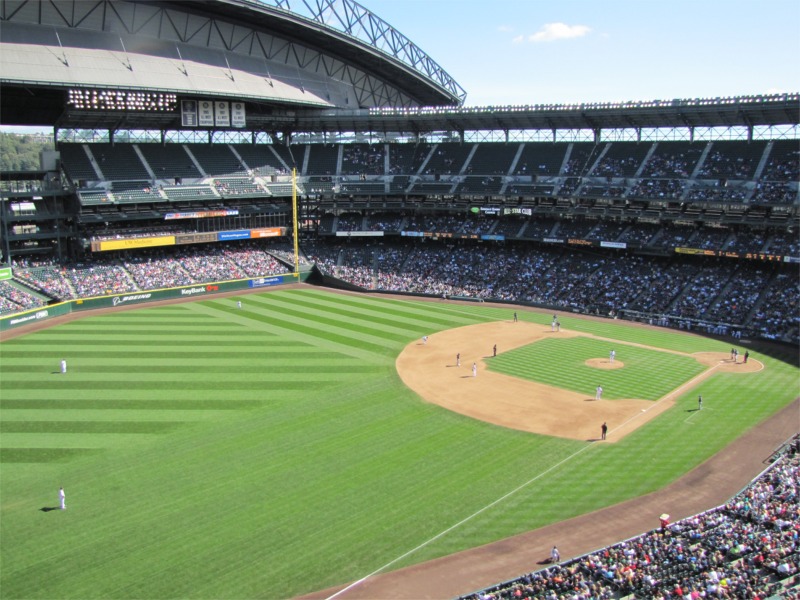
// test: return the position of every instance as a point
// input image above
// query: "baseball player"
(598, 393)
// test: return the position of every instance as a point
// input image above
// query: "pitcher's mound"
(604, 363)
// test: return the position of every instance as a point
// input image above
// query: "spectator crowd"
(746, 549)
(718, 296)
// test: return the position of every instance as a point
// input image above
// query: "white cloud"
(518, 39)
(559, 31)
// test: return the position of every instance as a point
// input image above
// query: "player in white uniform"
(63, 366)
(598, 394)
(62, 499)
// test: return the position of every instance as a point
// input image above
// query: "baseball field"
(311, 438)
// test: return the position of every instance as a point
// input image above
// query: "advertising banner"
(518, 211)
(127, 244)
(195, 238)
(266, 232)
(265, 281)
(32, 316)
(201, 214)
(695, 251)
(242, 234)
(359, 234)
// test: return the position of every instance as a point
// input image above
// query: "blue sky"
(564, 51)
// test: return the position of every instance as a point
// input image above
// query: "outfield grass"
(212, 452)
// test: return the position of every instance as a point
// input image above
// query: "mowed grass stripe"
(120, 393)
(186, 404)
(157, 383)
(122, 352)
(647, 374)
(204, 328)
(355, 329)
(232, 367)
(7, 427)
(434, 316)
(308, 330)
(134, 340)
(43, 455)
(397, 328)
(109, 415)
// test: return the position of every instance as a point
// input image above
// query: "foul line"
(465, 520)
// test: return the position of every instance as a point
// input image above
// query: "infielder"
(598, 393)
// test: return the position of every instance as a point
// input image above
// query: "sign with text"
(222, 113)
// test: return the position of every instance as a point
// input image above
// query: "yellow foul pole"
(294, 221)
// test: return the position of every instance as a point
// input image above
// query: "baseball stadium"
(281, 316)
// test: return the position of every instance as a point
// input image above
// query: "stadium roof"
(335, 55)
(743, 111)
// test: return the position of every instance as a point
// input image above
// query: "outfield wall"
(145, 296)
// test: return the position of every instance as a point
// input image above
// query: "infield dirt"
(430, 370)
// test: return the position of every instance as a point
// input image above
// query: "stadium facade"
(193, 124)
